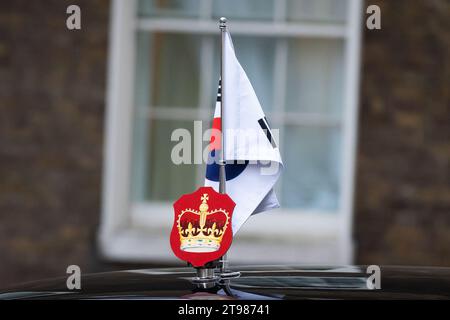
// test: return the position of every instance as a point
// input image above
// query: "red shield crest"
(201, 230)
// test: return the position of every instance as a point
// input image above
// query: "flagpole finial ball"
(222, 22)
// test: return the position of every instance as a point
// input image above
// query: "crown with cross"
(202, 230)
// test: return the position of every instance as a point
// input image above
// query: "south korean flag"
(253, 161)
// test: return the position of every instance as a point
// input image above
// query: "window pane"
(173, 8)
(256, 56)
(311, 179)
(168, 75)
(154, 176)
(315, 76)
(175, 69)
(140, 123)
(332, 11)
(142, 70)
(243, 9)
(167, 181)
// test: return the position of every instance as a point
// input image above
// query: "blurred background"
(86, 118)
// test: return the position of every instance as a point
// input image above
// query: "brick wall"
(51, 135)
(402, 213)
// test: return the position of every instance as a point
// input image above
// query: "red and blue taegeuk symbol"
(232, 170)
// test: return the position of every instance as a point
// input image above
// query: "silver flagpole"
(205, 275)
(225, 274)
(222, 172)
(222, 163)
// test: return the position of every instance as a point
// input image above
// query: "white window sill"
(273, 237)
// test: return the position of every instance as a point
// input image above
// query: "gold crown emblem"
(202, 230)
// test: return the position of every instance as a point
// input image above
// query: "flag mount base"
(206, 278)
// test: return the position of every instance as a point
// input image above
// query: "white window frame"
(140, 232)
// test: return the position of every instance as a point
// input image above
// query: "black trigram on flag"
(219, 92)
(264, 124)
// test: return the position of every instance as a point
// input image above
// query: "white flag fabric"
(252, 155)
